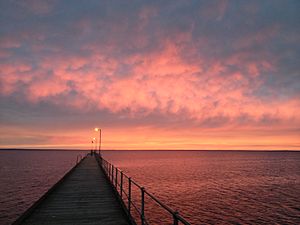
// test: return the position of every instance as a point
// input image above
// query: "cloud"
(7, 42)
(39, 7)
(210, 64)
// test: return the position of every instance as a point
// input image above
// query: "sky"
(206, 75)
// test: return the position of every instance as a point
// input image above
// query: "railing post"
(121, 184)
(111, 171)
(116, 179)
(143, 206)
(175, 218)
(112, 175)
(129, 195)
(109, 166)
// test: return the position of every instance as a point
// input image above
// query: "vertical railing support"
(116, 179)
(112, 175)
(108, 171)
(175, 218)
(143, 206)
(111, 172)
(121, 184)
(129, 195)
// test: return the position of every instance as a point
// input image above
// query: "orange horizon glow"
(160, 139)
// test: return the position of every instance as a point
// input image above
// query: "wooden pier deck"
(83, 197)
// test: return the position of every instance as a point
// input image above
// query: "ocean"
(205, 187)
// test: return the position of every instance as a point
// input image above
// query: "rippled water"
(220, 187)
(26, 175)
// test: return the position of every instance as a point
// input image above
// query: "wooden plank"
(84, 197)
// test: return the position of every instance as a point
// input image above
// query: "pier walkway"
(84, 196)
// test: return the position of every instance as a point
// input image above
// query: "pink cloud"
(162, 82)
(9, 42)
(46, 89)
(11, 75)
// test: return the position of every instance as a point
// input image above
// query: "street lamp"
(93, 144)
(98, 129)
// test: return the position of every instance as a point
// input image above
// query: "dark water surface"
(206, 187)
(26, 175)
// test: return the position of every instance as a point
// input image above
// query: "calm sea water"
(206, 187)
(26, 175)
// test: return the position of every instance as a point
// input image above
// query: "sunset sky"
(152, 74)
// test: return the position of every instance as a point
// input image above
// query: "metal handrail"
(113, 173)
(78, 158)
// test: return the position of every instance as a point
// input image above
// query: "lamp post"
(98, 129)
(93, 144)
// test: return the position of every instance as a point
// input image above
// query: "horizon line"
(59, 149)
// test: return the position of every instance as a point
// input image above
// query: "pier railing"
(135, 206)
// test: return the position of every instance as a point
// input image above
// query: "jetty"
(94, 192)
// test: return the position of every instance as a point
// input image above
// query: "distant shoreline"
(227, 150)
